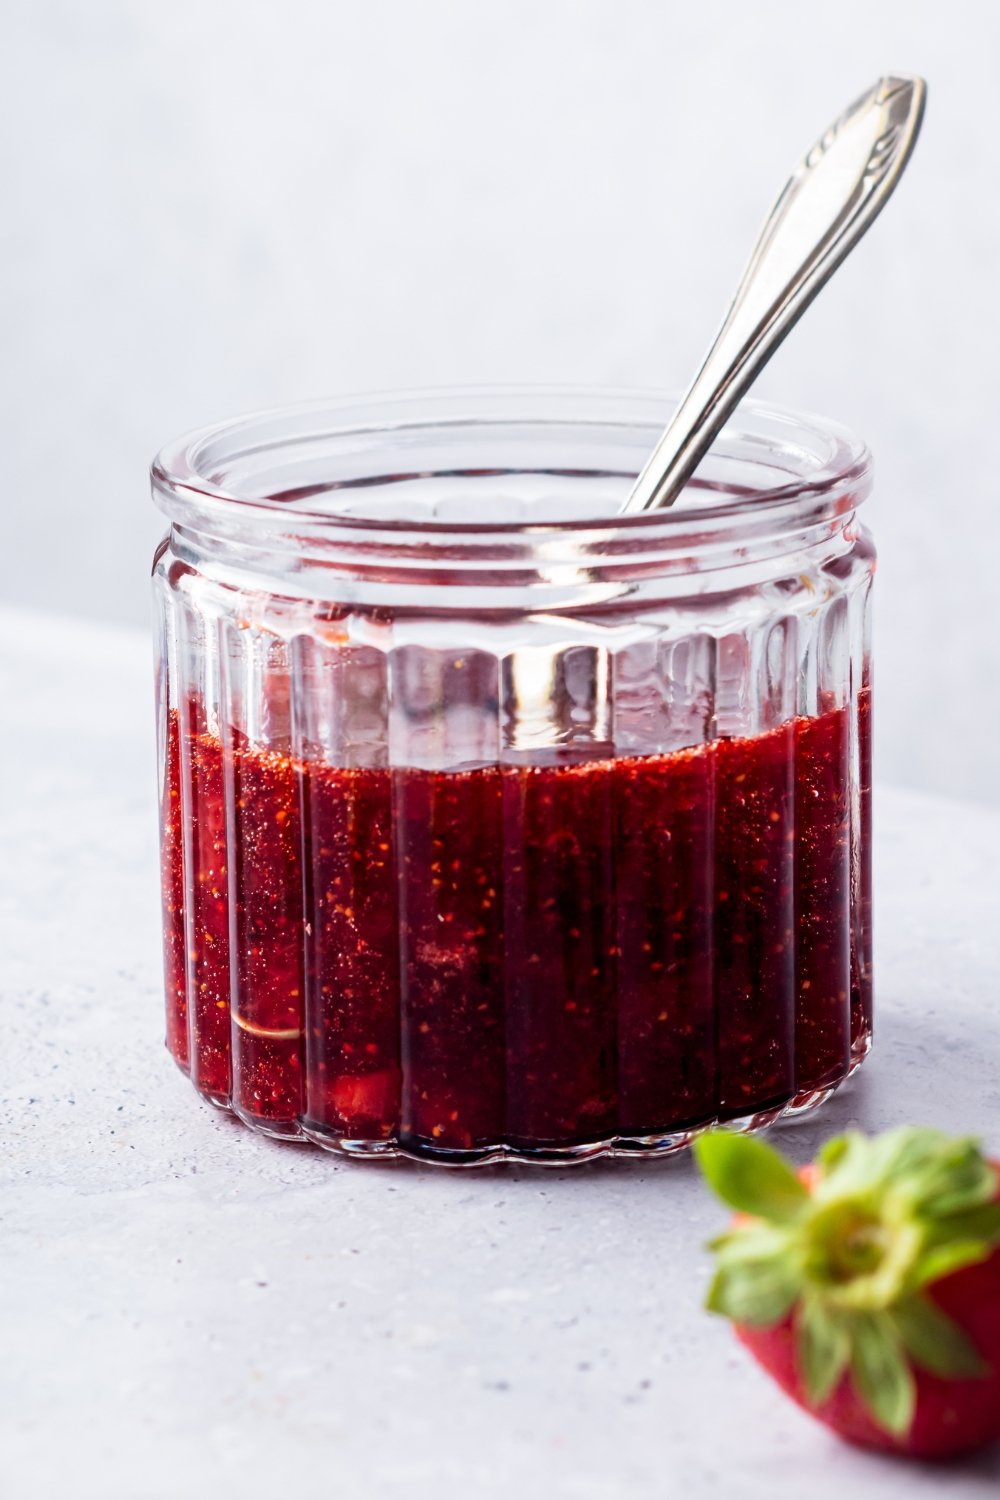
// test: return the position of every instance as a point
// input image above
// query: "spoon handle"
(826, 205)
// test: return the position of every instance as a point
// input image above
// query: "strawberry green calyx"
(851, 1256)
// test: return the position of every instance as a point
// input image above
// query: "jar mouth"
(495, 463)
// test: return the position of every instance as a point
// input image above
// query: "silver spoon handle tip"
(831, 198)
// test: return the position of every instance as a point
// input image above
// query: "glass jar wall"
(494, 824)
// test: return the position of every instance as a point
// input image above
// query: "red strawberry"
(869, 1285)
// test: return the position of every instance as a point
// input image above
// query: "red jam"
(544, 956)
(172, 897)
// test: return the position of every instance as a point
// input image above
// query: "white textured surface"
(190, 1310)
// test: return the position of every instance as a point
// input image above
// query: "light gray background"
(217, 205)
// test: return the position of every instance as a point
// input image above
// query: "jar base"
(660, 1143)
(809, 1100)
(218, 1100)
(860, 1050)
(655, 1145)
(652, 1146)
(759, 1120)
(279, 1130)
(355, 1150)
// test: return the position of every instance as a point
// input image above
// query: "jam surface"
(537, 956)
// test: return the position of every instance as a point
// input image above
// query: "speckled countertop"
(188, 1310)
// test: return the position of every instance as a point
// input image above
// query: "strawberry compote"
(521, 955)
(172, 898)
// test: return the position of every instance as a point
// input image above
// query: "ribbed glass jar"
(494, 824)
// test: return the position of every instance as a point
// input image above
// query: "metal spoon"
(826, 205)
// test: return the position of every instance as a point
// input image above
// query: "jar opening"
(498, 461)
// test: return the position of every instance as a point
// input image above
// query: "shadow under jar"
(494, 824)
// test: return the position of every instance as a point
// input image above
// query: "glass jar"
(494, 823)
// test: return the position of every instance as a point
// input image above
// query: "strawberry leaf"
(830, 1154)
(824, 1348)
(758, 1290)
(981, 1223)
(882, 1377)
(953, 1179)
(750, 1176)
(944, 1259)
(935, 1342)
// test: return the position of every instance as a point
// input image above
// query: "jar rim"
(192, 477)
